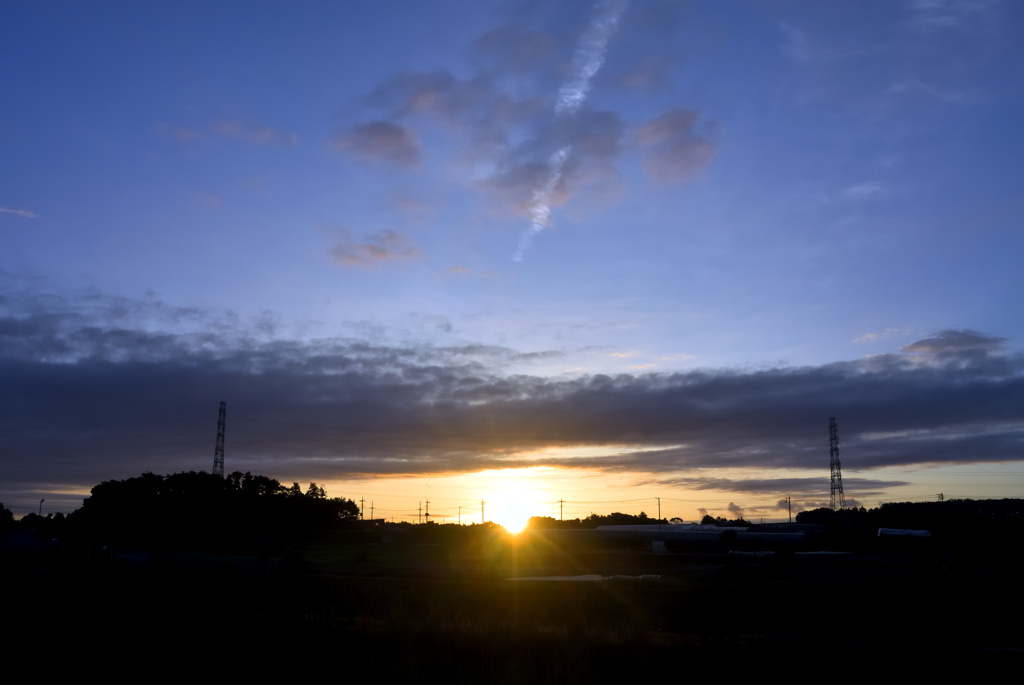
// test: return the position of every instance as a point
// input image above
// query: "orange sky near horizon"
(513, 495)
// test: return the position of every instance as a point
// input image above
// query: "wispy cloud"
(411, 206)
(876, 335)
(527, 137)
(805, 487)
(953, 344)
(863, 191)
(937, 15)
(180, 132)
(257, 134)
(244, 131)
(953, 96)
(20, 212)
(801, 48)
(671, 150)
(649, 74)
(381, 142)
(206, 201)
(384, 246)
(587, 60)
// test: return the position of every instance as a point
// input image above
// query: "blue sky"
(748, 187)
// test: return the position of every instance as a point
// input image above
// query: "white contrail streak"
(540, 205)
(586, 62)
(589, 56)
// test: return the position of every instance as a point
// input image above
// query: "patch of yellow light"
(513, 495)
(525, 472)
(513, 513)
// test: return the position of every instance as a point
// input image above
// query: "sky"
(561, 257)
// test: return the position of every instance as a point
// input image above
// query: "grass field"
(446, 608)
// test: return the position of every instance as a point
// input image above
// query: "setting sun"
(512, 514)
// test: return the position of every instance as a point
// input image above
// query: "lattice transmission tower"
(218, 454)
(837, 473)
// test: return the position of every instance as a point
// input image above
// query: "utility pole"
(419, 513)
(659, 508)
(481, 512)
(218, 452)
(789, 505)
(561, 503)
(942, 498)
(428, 511)
(460, 516)
(360, 508)
(371, 509)
(837, 496)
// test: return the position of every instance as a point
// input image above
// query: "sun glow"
(512, 514)
(513, 495)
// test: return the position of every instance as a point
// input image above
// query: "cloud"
(181, 133)
(459, 270)
(384, 246)
(513, 48)
(936, 15)
(438, 93)
(74, 374)
(863, 191)
(791, 506)
(799, 47)
(678, 357)
(411, 206)
(247, 132)
(953, 96)
(594, 139)
(526, 137)
(589, 55)
(652, 73)
(957, 345)
(206, 201)
(257, 134)
(670, 149)
(20, 212)
(878, 335)
(381, 142)
(735, 510)
(586, 62)
(865, 487)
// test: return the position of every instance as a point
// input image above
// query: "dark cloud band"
(88, 397)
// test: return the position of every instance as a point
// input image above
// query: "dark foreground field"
(443, 611)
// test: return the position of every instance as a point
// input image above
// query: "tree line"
(194, 508)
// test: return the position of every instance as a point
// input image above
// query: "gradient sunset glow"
(561, 258)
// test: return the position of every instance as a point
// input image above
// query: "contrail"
(586, 62)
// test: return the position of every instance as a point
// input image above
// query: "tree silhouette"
(6, 519)
(192, 508)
